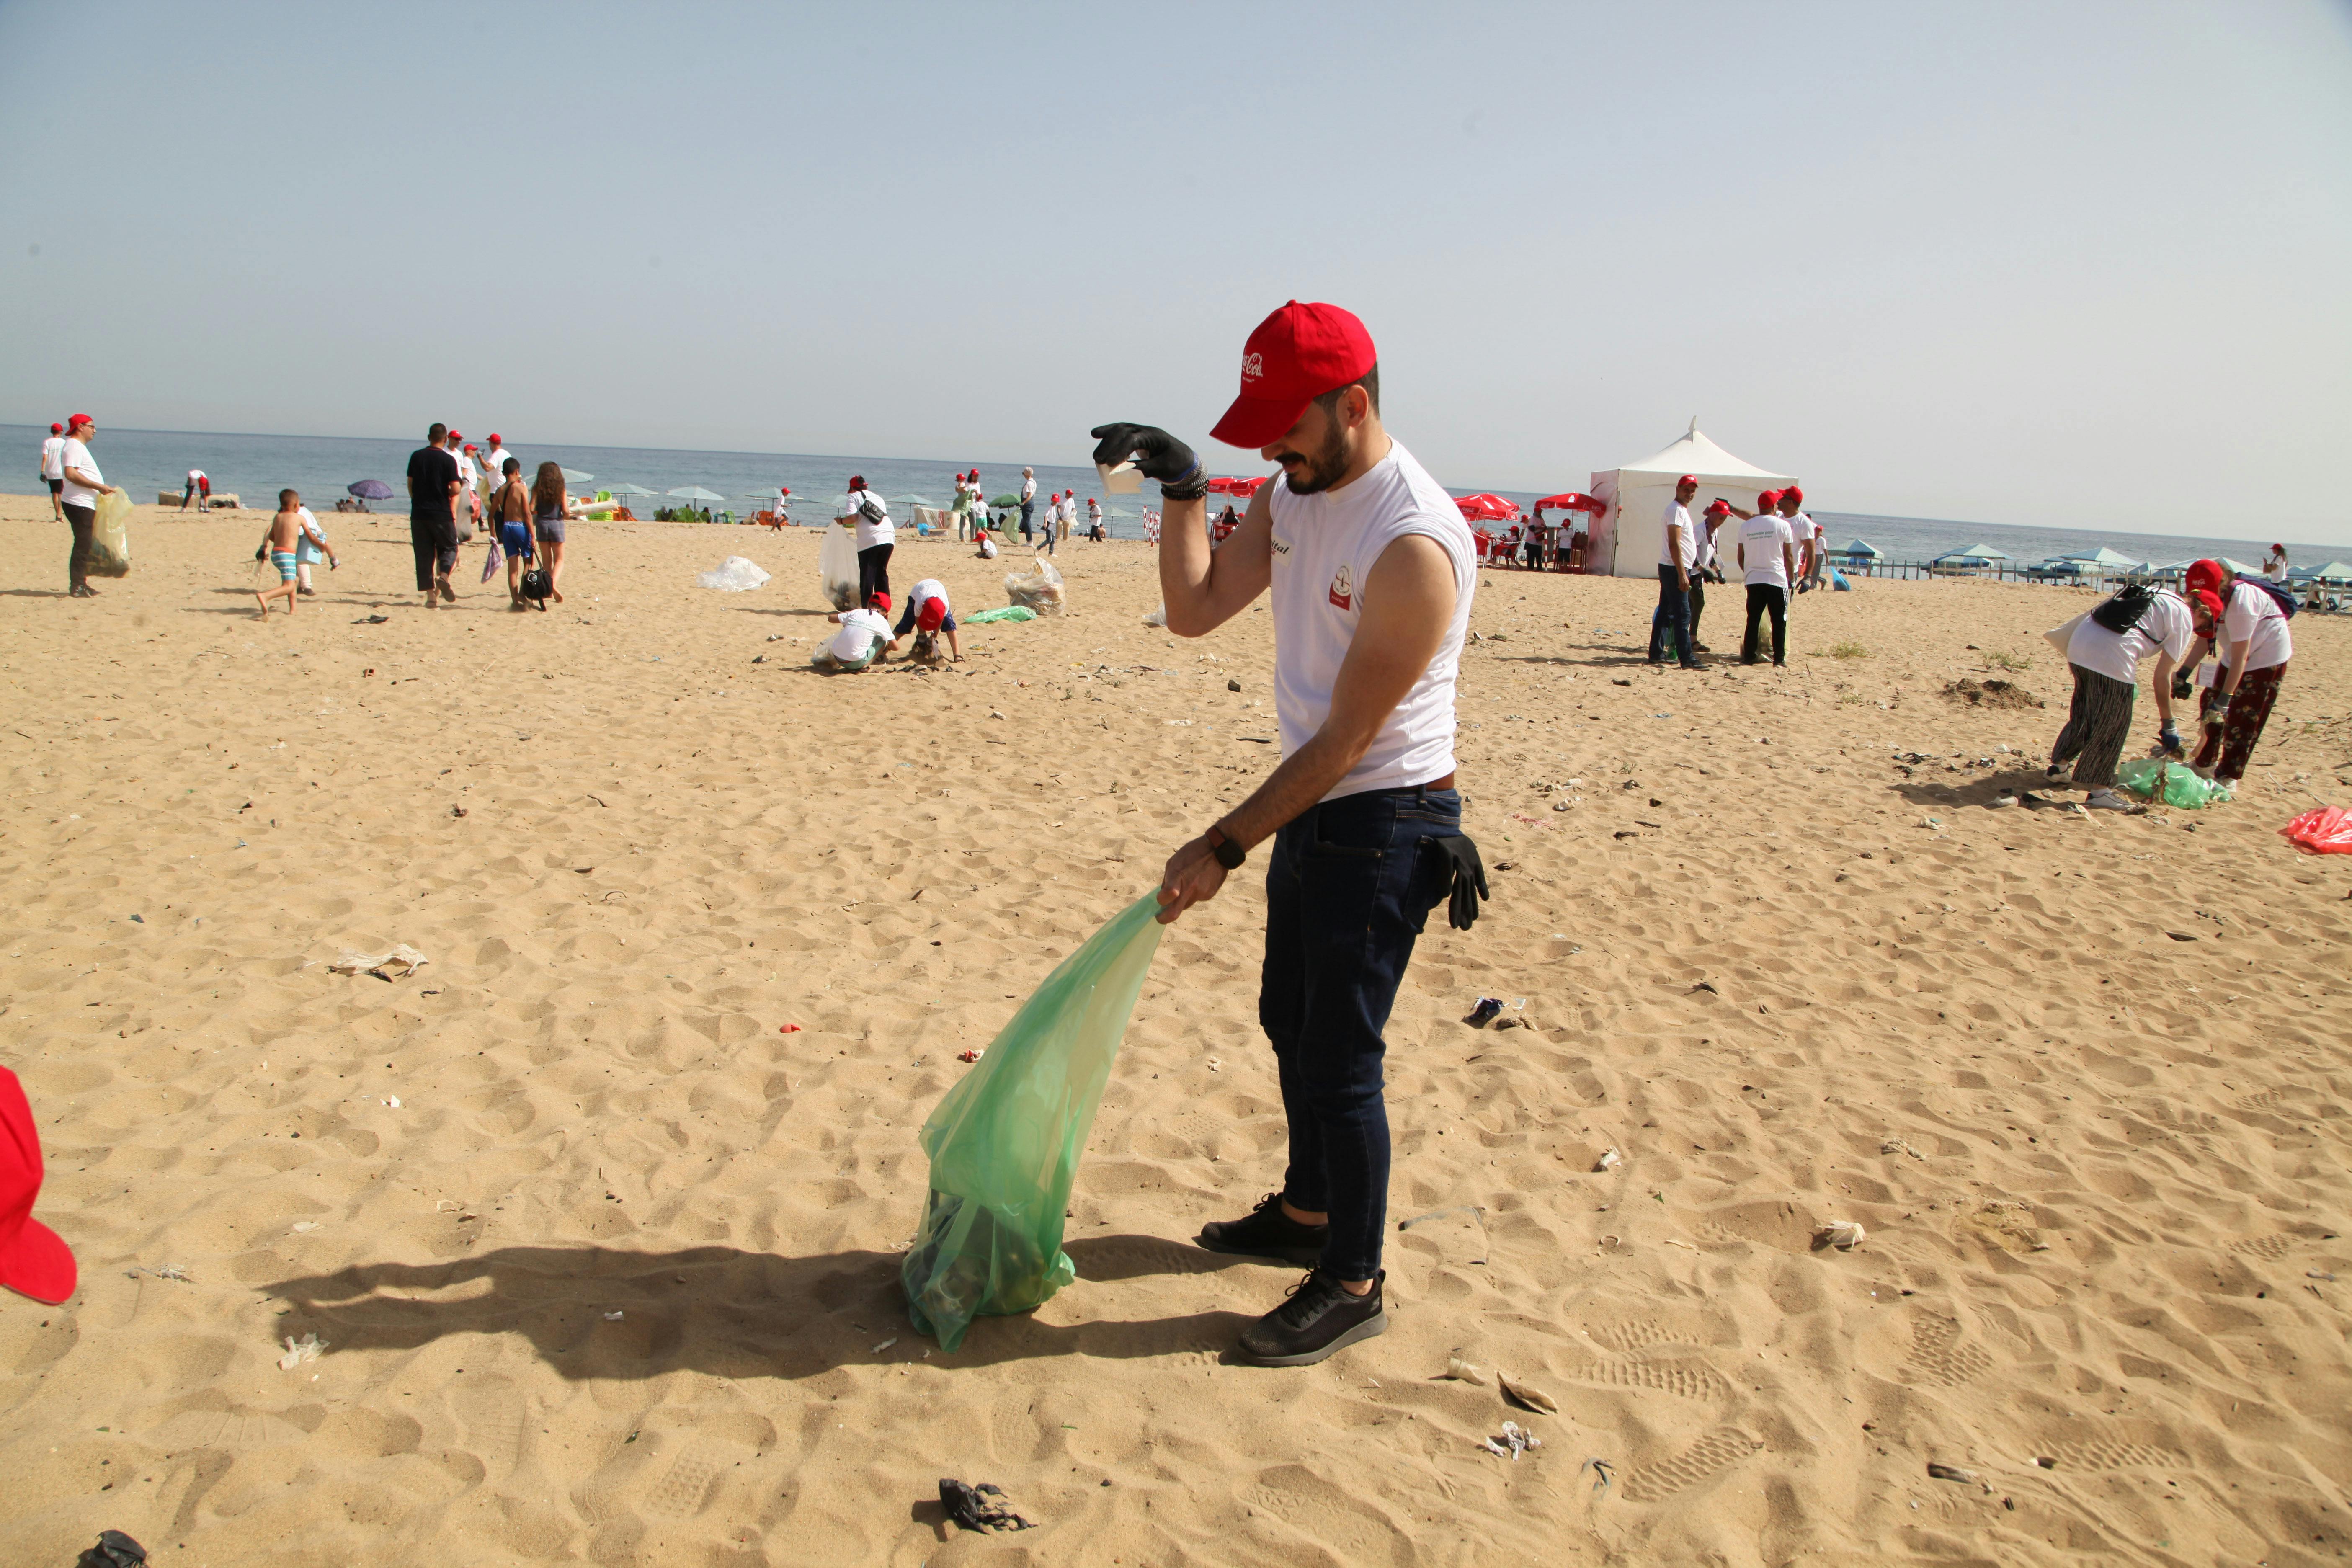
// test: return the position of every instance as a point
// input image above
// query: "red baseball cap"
(2207, 600)
(1686, 479)
(456, 435)
(933, 612)
(2206, 576)
(56, 429)
(1766, 500)
(1794, 494)
(494, 438)
(73, 419)
(881, 601)
(1295, 356)
(1718, 507)
(34, 1259)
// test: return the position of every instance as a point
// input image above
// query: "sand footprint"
(2106, 1455)
(1688, 1378)
(1713, 1452)
(2268, 1247)
(491, 1410)
(684, 1489)
(1939, 1356)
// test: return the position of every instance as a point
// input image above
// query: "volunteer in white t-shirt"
(928, 612)
(2247, 630)
(2274, 563)
(864, 637)
(1677, 554)
(53, 469)
(1370, 570)
(2105, 666)
(1804, 539)
(469, 482)
(1028, 498)
(1767, 555)
(79, 495)
(199, 489)
(875, 536)
(495, 460)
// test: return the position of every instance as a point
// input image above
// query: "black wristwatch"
(1229, 854)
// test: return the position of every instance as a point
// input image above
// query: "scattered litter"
(2307, 1274)
(886, 1344)
(448, 1205)
(733, 575)
(1484, 1013)
(2046, 1462)
(2003, 1223)
(1610, 1160)
(1842, 1233)
(1954, 1473)
(1461, 1370)
(971, 1507)
(2180, 936)
(972, 1055)
(1216, 1065)
(1516, 1440)
(456, 811)
(180, 1275)
(1896, 1146)
(400, 963)
(393, 1100)
(304, 1226)
(2000, 801)
(1707, 987)
(295, 1355)
(612, 1316)
(788, 1029)
(1009, 613)
(1531, 1397)
(1603, 1473)
(114, 1549)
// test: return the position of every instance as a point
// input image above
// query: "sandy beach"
(605, 1262)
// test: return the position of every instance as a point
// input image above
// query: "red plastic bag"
(2326, 831)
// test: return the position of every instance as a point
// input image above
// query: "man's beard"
(1324, 468)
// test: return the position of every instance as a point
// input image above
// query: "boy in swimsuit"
(279, 546)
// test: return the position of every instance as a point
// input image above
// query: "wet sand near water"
(615, 1280)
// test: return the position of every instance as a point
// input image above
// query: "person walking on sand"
(277, 543)
(2246, 629)
(1028, 500)
(199, 491)
(511, 516)
(1371, 570)
(311, 547)
(550, 509)
(78, 497)
(432, 488)
(470, 476)
(53, 468)
(875, 537)
(2104, 655)
(1677, 552)
(1766, 553)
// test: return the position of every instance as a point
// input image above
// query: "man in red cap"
(1670, 625)
(53, 469)
(34, 1261)
(1370, 570)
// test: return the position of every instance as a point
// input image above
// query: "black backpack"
(536, 585)
(2123, 609)
(2281, 595)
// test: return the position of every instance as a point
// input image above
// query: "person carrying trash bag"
(1370, 570)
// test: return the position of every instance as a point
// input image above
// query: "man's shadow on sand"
(721, 1310)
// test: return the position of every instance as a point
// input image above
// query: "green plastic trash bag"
(2179, 786)
(1006, 613)
(1005, 1142)
(109, 540)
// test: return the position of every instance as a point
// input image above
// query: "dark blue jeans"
(1670, 628)
(1347, 888)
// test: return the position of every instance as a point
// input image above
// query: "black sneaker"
(1267, 1233)
(1318, 1319)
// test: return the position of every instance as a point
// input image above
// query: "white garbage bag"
(734, 575)
(837, 565)
(1040, 590)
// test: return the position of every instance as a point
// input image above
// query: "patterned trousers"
(2225, 750)
(2097, 725)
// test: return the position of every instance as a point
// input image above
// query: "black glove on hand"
(2183, 685)
(261, 552)
(1156, 455)
(1469, 879)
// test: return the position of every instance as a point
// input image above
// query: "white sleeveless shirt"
(1323, 548)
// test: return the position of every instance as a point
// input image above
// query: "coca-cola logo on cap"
(1253, 366)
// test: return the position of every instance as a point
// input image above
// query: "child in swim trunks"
(511, 507)
(278, 545)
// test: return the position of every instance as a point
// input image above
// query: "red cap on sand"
(56, 429)
(933, 612)
(34, 1261)
(1686, 479)
(1296, 354)
(73, 419)
(1794, 494)
(2207, 600)
(2205, 576)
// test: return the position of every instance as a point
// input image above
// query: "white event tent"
(1631, 531)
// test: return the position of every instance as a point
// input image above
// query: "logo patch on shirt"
(1343, 589)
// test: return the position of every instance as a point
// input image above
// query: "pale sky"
(2069, 264)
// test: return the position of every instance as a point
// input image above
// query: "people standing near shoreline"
(78, 498)
(1677, 549)
(494, 461)
(2104, 655)
(1370, 570)
(510, 518)
(2274, 564)
(1028, 500)
(53, 468)
(875, 537)
(550, 509)
(2247, 631)
(433, 490)
(469, 477)
(1767, 558)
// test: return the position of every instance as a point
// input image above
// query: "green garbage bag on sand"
(1005, 1142)
(1003, 612)
(2179, 786)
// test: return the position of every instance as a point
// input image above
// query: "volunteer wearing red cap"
(53, 469)
(2244, 623)
(494, 461)
(928, 612)
(876, 537)
(1370, 570)
(1805, 536)
(83, 485)
(34, 1261)
(2274, 563)
(1670, 628)
(2104, 655)
(1765, 551)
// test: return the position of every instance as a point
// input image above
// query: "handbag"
(536, 585)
